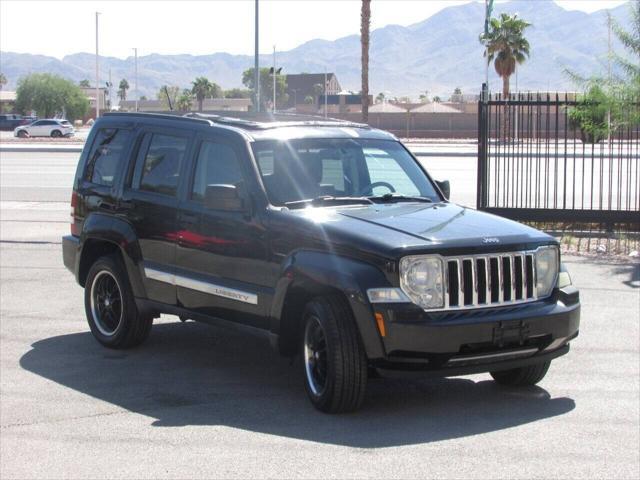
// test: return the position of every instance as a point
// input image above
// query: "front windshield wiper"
(397, 197)
(328, 199)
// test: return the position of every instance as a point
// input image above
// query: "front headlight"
(421, 279)
(547, 265)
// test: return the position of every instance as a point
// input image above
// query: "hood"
(411, 227)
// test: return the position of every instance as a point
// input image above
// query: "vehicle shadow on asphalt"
(193, 374)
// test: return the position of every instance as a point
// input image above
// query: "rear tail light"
(75, 228)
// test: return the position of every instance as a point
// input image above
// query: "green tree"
(122, 89)
(266, 86)
(318, 89)
(185, 100)
(365, 24)
(630, 41)
(309, 100)
(611, 103)
(3, 80)
(204, 88)
(457, 91)
(49, 94)
(506, 46)
(168, 96)
(437, 99)
(84, 83)
(380, 97)
(237, 93)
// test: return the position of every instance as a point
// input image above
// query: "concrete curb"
(41, 148)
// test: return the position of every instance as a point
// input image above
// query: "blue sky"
(57, 28)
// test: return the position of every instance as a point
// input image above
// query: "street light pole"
(325, 92)
(274, 79)
(97, 72)
(256, 68)
(135, 51)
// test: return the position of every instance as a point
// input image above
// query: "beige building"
(208, 105)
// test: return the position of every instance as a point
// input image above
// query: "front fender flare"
(309, 269)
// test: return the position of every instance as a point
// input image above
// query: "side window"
(265, 162)
(106, 155)
(38, 123)
(385, 168)
(333, 174)
(217, 164)
(161, 164)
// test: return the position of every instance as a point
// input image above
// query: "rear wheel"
(111, 311)
(523, 376)
(335, 365)
(56, 134)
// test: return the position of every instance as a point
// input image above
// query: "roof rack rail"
(278, 120)
(166, 116)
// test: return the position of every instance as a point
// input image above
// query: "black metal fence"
(536, 165)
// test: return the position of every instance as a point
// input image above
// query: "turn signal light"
(380, 322)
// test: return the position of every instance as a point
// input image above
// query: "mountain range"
(436, 55)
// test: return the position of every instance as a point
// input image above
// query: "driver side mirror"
(223, 197)
(445, 187)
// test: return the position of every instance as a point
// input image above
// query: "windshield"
(297, 170)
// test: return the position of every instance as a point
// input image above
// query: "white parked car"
(45, 128)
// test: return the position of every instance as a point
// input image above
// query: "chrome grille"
(476, 281)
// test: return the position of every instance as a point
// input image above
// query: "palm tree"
(202, 88)
(185, 100)
(365, 23)
(122, 89)
(3, 80)
(506, 46)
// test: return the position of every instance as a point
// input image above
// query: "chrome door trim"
(201, 286)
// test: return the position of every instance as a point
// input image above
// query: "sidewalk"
(41, 147)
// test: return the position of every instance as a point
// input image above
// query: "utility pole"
(274, 79)
(135, 79)
(256, 68)
(609, 75)
(109, 85)
(325, 92)
(97, 72)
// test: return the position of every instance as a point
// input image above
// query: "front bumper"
(479, 340)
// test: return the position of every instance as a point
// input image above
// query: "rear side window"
(217, 165)
(106, 155)
(161, 165)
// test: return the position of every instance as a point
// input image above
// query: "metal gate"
(535, 165)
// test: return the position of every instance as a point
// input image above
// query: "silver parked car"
(45, 128)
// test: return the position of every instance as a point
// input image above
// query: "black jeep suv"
(329, 237)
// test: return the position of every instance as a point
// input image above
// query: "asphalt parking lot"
(200, 401)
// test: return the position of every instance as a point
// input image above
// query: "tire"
(56, 134)
(22, 134)
(523, 376)
(334, 362)
(110, 307)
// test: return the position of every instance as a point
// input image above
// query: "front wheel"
(523, 376)
(111, 311)
(335, 364)
(22, 134)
